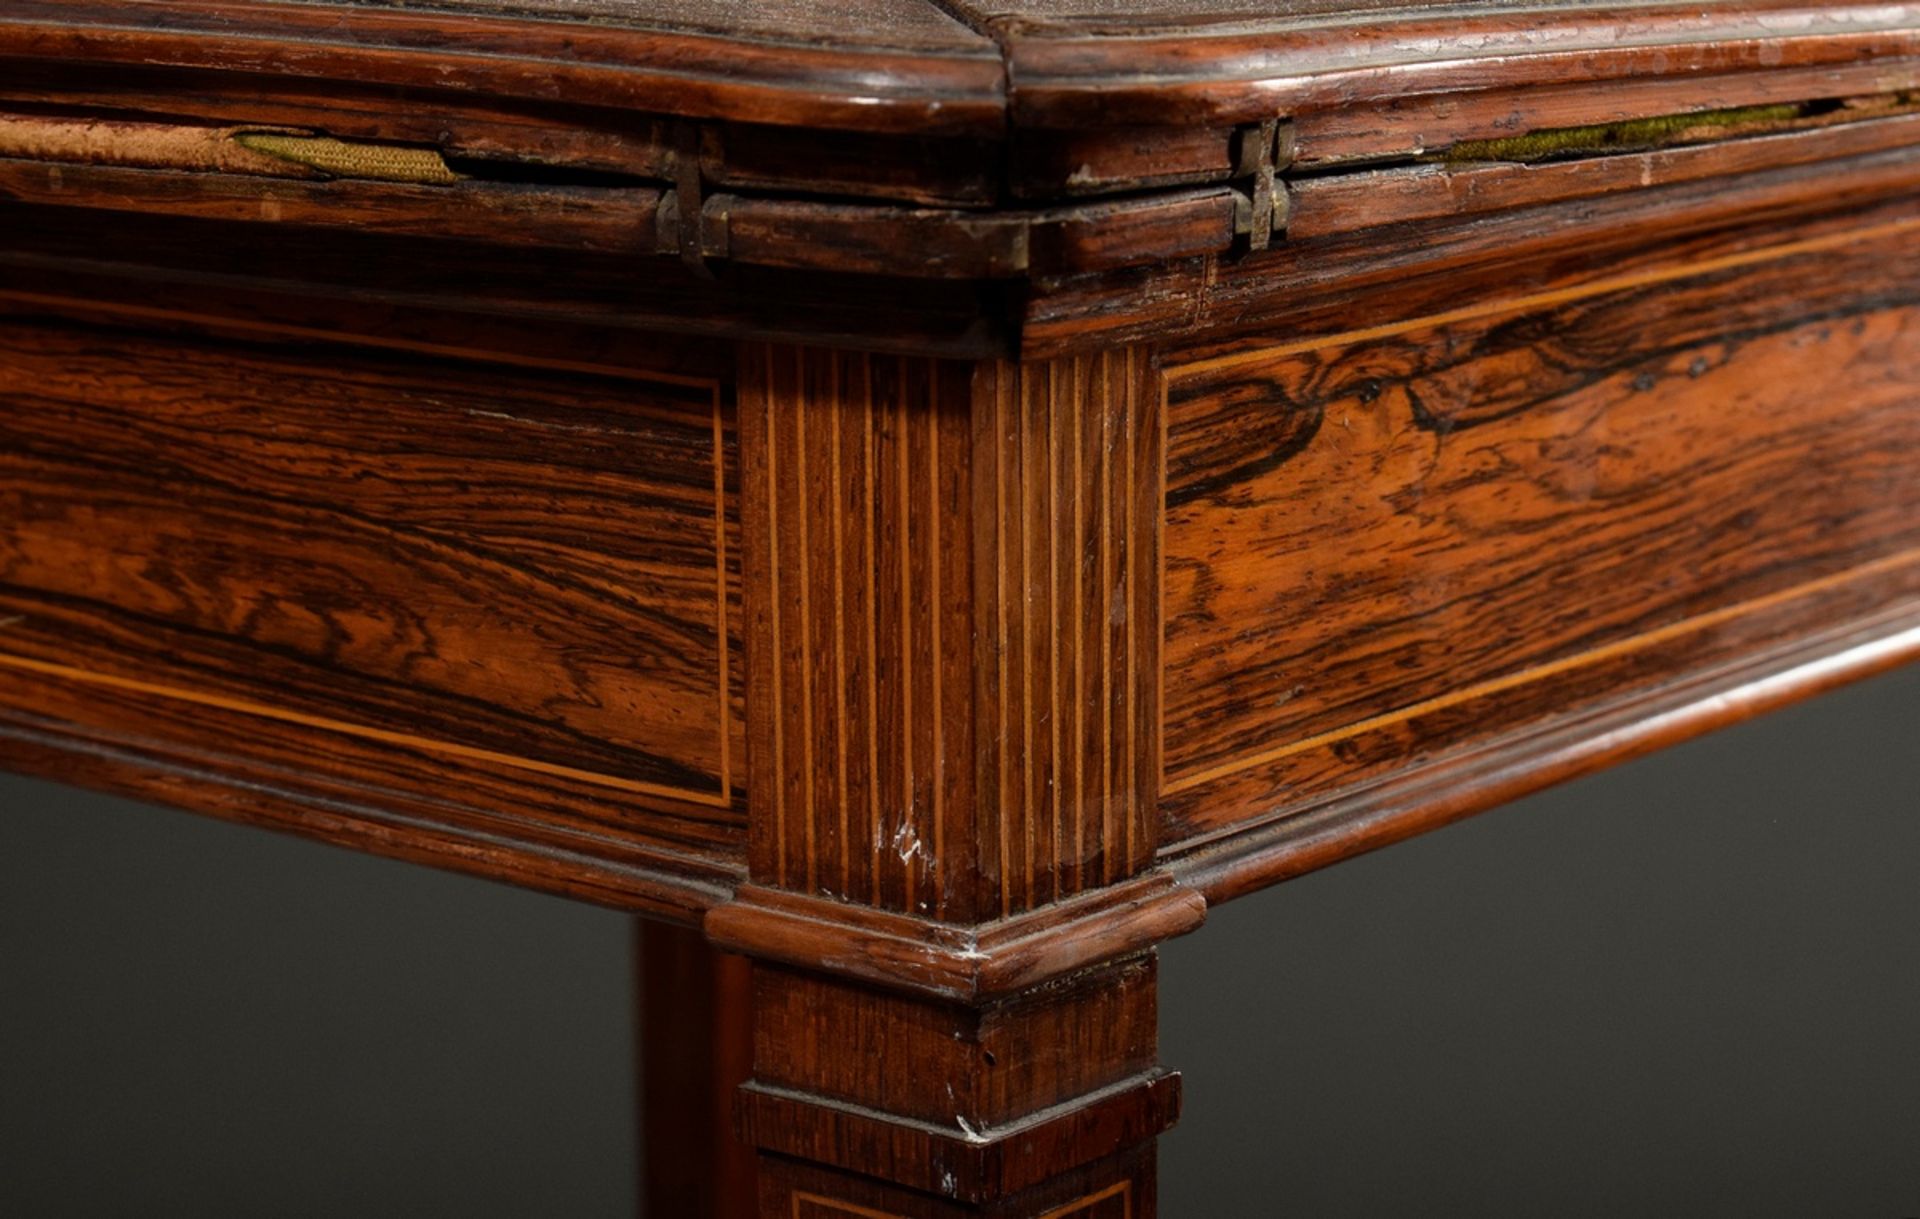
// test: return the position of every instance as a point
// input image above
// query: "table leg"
(695, 1050)
(870, 1105)
(950, 591)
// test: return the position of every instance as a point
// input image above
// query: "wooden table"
(933, 496)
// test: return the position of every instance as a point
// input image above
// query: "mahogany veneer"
(928, 497)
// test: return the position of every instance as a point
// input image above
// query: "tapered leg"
(695, 1050)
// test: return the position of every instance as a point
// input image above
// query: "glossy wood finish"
(953, 691)
(163, 267)
(975, 545)
(936, 505)
(981, 1105)
(469, 588)
(1472, 180)
(924, 74)
(1403, 127)
(1443, 257)
(1118, 1187)
(1357, 526)
(1149, 61)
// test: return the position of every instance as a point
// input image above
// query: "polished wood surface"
(1062, 1075)
(393, 558)
(345, 534)
(1388, 542)
(912, 524)
(925, 76)
(928, 505)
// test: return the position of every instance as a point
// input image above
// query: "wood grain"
(1065, 458)
(1630, 703)
(1402, 127)
(1467, 510)
(632, 218)
(503, 133)
(561, 218)
(969, 964)
(1146, 567)
(1009, 1059)
(1216, 300)
(534, 580)
(953, 678)
(163, 261)
(853, 482)
(1343, 203)
(980, 1104)
(537, 831)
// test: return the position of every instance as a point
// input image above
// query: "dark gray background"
(1688, 987)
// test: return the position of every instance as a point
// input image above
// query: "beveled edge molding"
(957, 88)
(576, 863)
(965, 1165)
(963, 964)
(1237, 71)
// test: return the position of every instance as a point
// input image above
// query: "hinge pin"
(1263, 152)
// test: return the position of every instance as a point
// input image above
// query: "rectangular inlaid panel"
(480, 569)
(1387, 543)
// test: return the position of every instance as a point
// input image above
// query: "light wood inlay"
(956, 690)
(1067, 464)
(408, 557)
(813, 1206)
(1460, 519)
(856, 488)
(1113, 1202)
(452, 749)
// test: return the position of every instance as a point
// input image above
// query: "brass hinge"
(690, 221)
(1262, 153)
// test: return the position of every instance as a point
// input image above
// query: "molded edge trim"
(676, 889)
(961, 964)
(1237, 72)
(686, 73)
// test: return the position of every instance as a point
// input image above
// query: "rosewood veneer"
(921, 499)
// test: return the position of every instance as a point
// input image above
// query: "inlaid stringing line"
(778, 716)
(904, 535)
(1525, 677)
(808, 803)
(837, 406)
(1106, 641)
(870, 461)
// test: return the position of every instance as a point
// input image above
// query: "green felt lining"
(1630, 135)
